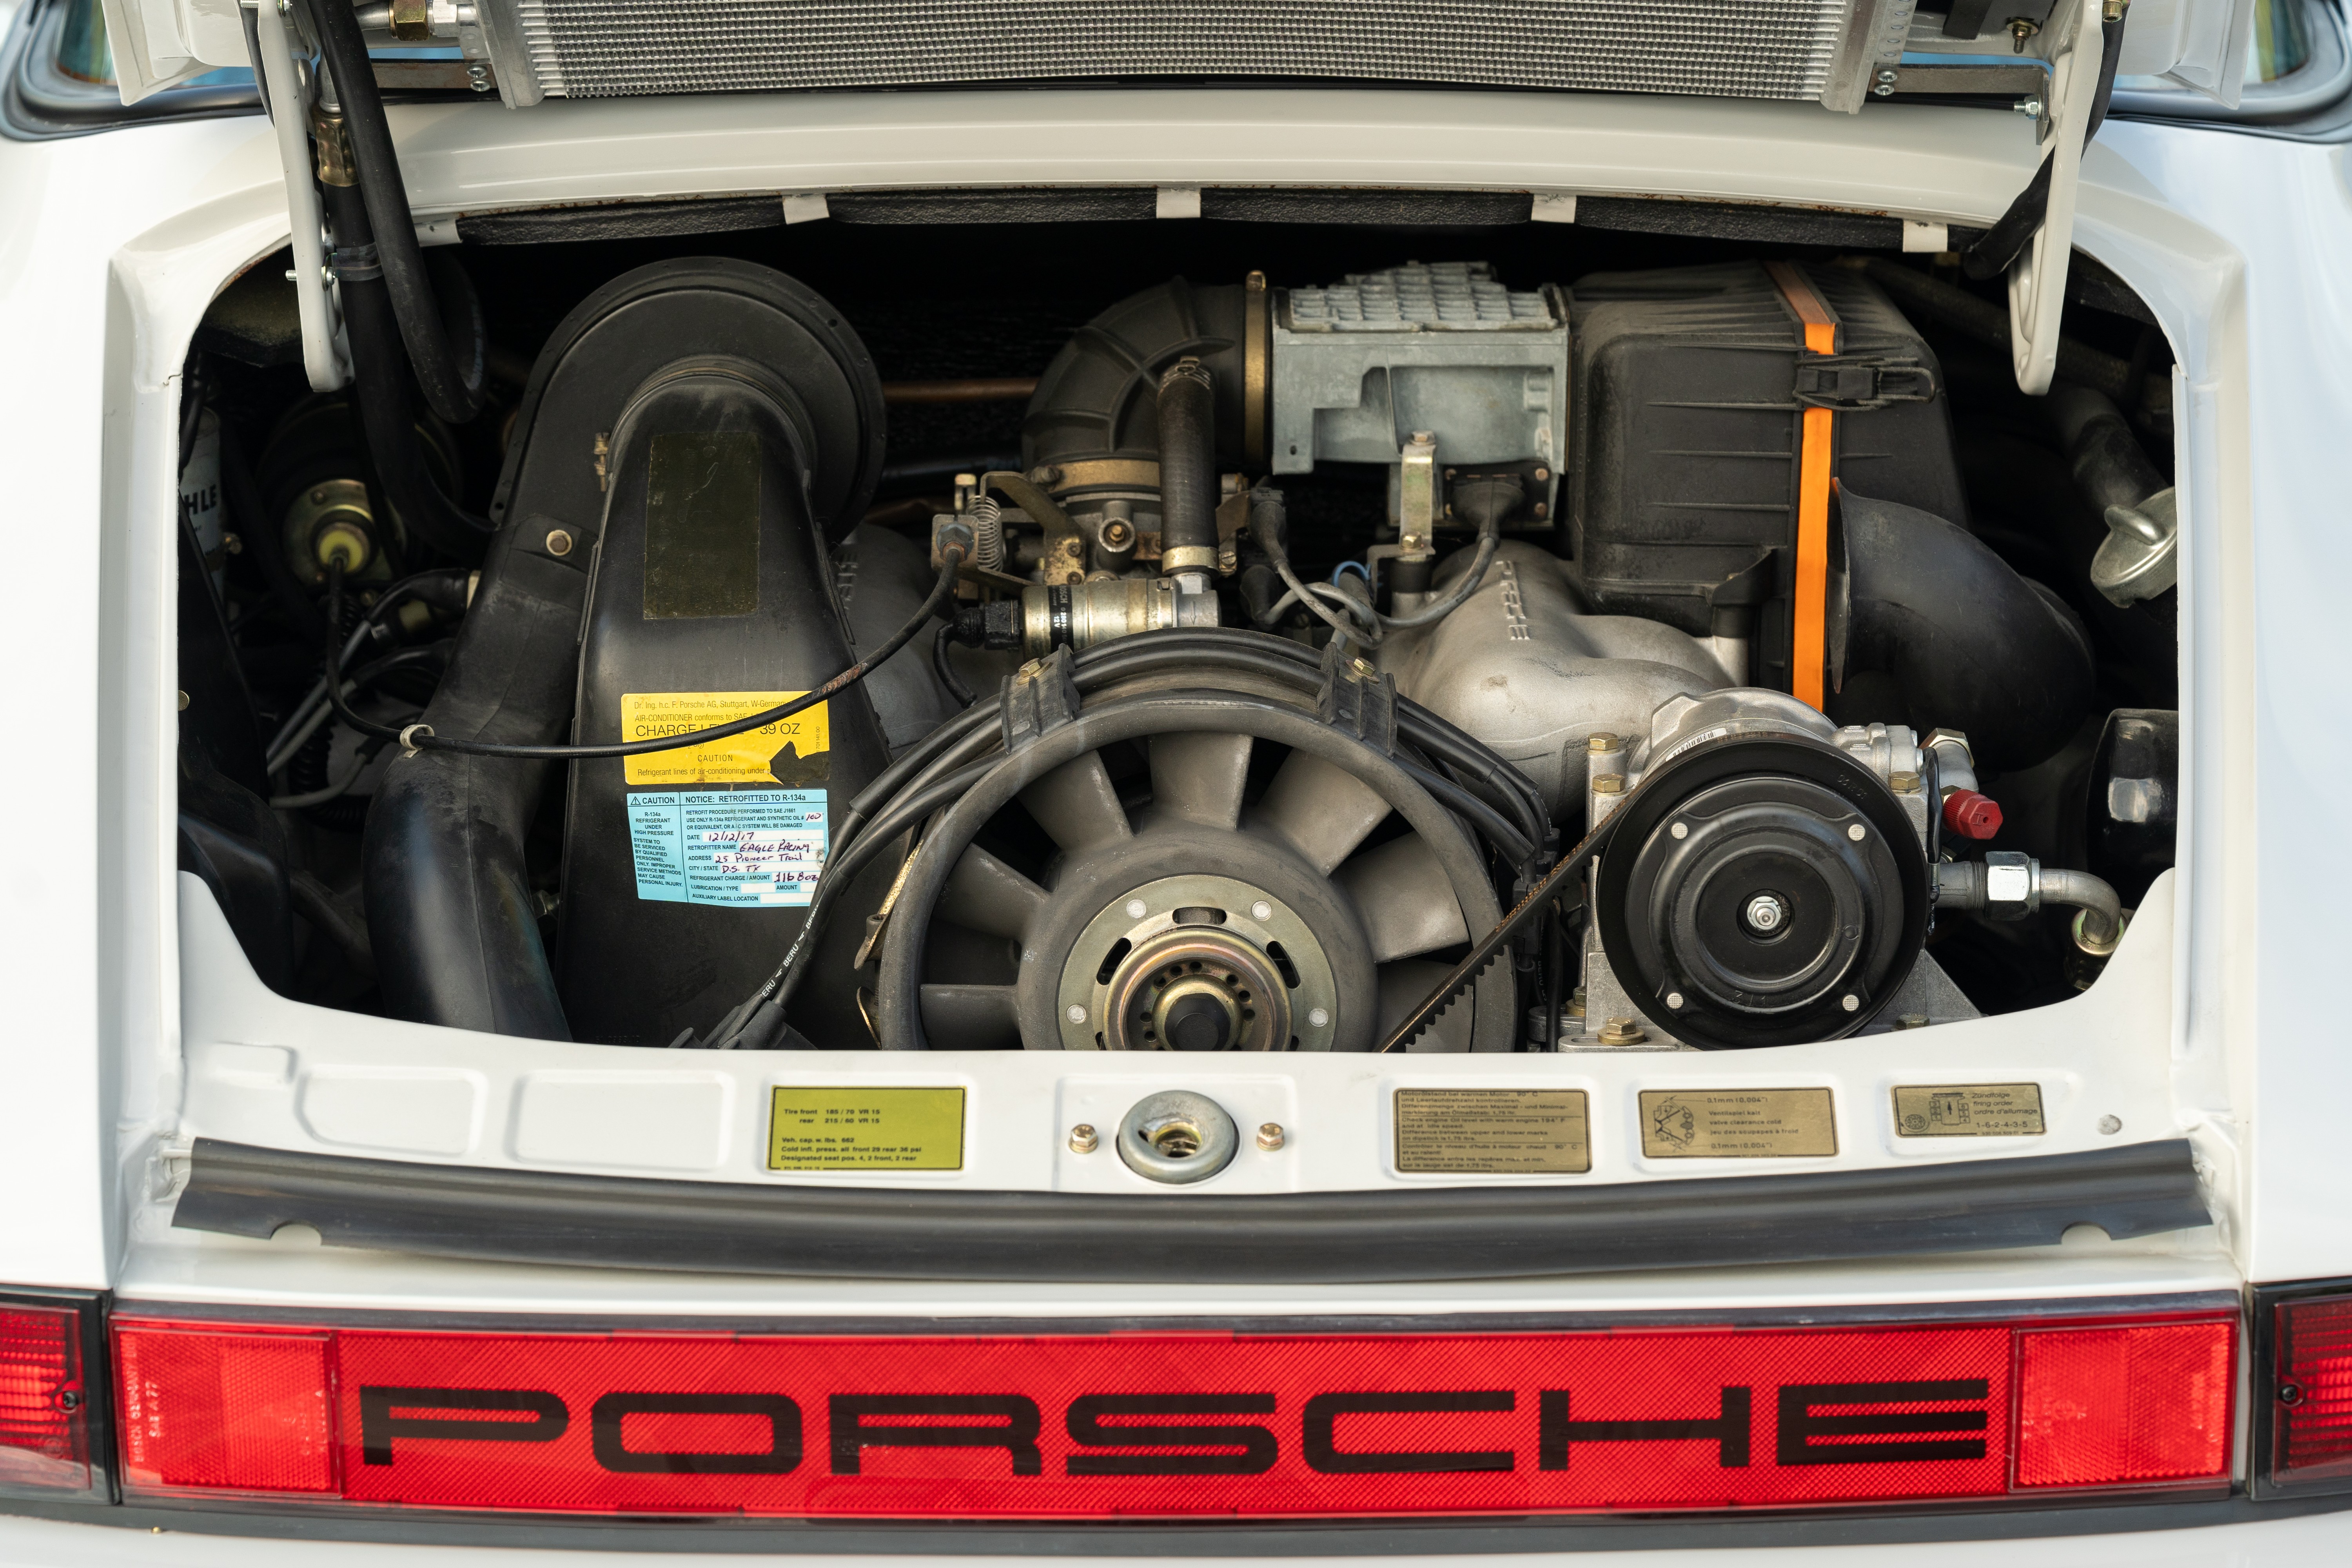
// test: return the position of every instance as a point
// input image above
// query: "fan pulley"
(1189, 902)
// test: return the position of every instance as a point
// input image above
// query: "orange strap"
(1808, 651)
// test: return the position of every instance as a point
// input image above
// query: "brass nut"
(1903, 784)
(1609, 784)
(412, 21)
(1600, 742)
(1270, 1136)
(559, 542)
(1084, 1140)
(1117, 535)
(1623, 1032)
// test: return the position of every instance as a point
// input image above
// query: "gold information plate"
(1491, 1131)
(1738, 1123)
(834, 1128)
(1969, 1110)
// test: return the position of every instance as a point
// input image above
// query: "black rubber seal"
(1443, 1233)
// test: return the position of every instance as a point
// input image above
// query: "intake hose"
(1188, 468)
(448, 349)
(379, 385)
(2109, 466)
(1975, 646)
(1099, 398)
(451, 912)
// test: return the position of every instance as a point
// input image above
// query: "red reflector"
(43, 1444)
(2314, 1390)
(1075, 1426)
(2109, 1407)
(236, 1411)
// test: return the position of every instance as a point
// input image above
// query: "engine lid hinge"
(1357, 699)
(1039, 698)
(1851, 383)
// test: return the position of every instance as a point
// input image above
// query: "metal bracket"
(1356, 699)
(1848, 383)
(1039, 698)
(324, 358)
(2037, 280)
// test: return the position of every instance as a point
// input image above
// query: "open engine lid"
(1836, 53)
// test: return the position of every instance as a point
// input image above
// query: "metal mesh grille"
(1748, 48)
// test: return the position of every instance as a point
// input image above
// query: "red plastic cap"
(44, 1443)
(1971, 815)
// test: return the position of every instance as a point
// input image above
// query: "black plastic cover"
(1688, 414)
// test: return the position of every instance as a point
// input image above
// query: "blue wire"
(1345, 566)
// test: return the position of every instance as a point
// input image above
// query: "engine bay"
(1284, 637)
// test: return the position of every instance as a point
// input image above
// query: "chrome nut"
(2011, 885)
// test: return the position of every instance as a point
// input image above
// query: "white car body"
(130, 1029)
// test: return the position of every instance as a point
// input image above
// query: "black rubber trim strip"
(1440, 1233)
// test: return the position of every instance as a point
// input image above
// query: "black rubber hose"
(379, 386)
(450, 373)
(1188, 462)
(1975, 646)
(2109, 464)
(944, 668)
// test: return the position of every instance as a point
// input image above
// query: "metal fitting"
(2022, 28)
(1270, 1136)
(1623, 1032)
(1083, 1139)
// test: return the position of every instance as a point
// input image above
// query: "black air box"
(1688, 417)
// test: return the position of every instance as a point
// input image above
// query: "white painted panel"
(403, 1111)
(623, 1120)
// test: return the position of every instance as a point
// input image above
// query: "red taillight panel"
(2122, 1405)
(2312, 1435)
(226, 1412)
(44, 1431)
(1168, 1424)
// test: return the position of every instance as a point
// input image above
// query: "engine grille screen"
(1748, 48)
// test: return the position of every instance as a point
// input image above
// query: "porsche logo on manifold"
(1115, 1424)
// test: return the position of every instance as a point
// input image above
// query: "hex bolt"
(1084, 1140)
(2021, 28)
(1766, 913)
(1623, 1032)
(2027, 106)
(1903, 784)
(1609, 784)
(1911, 1021)
(1270, 1136)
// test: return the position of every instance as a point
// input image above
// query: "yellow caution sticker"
(791, 752)
(865, 1129)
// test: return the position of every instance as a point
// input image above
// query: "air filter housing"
(1821, 51)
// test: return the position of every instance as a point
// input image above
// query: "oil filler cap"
(1177, 1136)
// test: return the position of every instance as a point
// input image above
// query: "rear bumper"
(2221, 1534)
